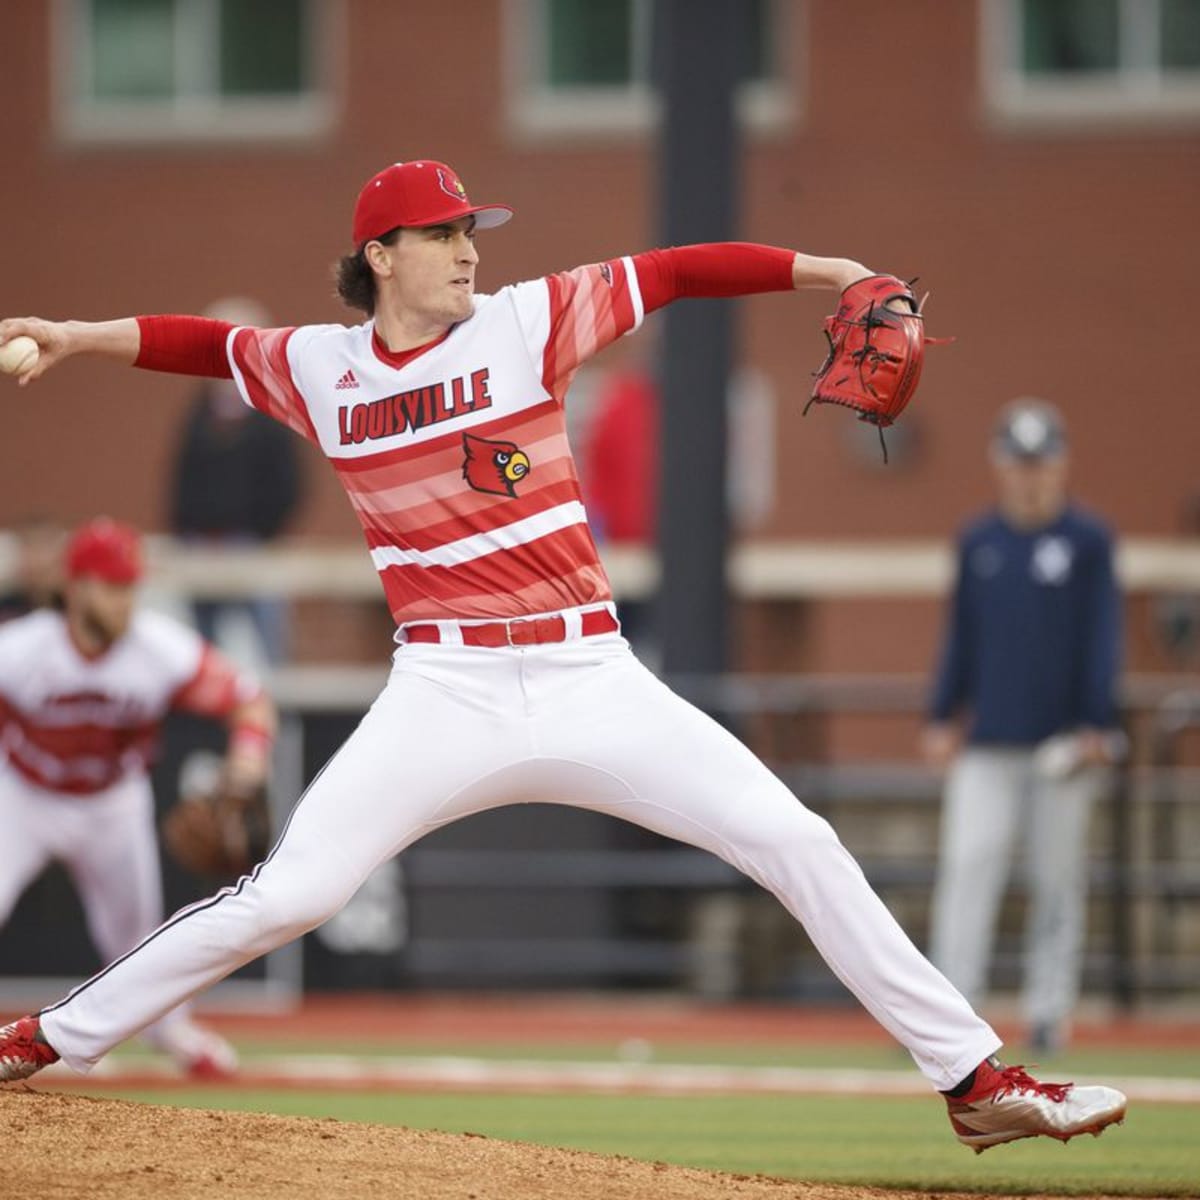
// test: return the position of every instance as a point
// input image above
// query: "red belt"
(520, 631)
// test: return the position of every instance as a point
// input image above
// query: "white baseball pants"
(108, 845)
(995, 799)
(460, 729)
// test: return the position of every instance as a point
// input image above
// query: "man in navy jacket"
(1030, 663)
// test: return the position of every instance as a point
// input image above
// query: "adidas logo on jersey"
(346, 381)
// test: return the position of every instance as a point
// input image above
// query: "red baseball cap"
(106, 549)
(416, 194)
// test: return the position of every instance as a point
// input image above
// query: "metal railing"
(1142, 870)
(578, 901)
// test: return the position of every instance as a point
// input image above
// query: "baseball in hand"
(18, 355)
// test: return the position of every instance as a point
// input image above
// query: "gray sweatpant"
(993, 799)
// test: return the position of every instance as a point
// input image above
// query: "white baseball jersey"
(76, 724)
(456, 458)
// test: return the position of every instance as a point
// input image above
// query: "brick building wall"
(1050, 252)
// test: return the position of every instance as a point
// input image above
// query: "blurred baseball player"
(82, 696)
(443, 417)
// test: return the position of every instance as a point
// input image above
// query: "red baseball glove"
(876, 348)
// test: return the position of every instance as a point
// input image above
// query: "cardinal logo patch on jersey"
(495, 467)
(451, 185)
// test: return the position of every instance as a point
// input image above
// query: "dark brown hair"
(355, 279)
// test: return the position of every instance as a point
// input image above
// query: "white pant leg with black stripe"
(459, 730)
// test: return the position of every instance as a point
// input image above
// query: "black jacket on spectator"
(236, 473)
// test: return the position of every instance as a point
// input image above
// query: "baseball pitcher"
(442, 414)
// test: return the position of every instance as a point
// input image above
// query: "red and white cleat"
(1006, 1104)
(23, 1050)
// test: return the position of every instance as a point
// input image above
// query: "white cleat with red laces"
(1006, 1104)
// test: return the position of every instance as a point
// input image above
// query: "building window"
(1109, 60)
(586, 65)
(204, 69)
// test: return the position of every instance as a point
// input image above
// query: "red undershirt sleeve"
(713, 269)
(184, 346)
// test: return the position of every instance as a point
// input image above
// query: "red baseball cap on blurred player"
(105, 549)
(415, 194)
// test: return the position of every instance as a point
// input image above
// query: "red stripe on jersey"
(77, 759)
(504, 570)
(403, 496)
(560, 570)
(540, 596)
(419, 528)
(589, 308)
(261, 356)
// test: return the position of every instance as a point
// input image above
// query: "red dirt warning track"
(452, 1017)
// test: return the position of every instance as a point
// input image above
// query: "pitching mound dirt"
(75, 1146)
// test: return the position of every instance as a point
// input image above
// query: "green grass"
(1088, 1062)
(898, 1143)
(883, 1142)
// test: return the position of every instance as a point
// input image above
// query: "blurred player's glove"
(875, 351)
(218, 831)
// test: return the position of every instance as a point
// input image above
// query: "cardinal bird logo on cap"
(495, 467)
(451, 185)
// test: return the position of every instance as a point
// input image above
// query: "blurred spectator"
(619, 476)
(620, 463)
(236, 482)
(1032, 652)
(37, 577)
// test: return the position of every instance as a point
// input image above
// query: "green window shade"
(262, 47)
(589, 42)
(1181, 34)
(1066, 36)
(133, 49)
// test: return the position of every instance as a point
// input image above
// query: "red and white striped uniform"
(465, 725)
(393, 427)
(76, 725)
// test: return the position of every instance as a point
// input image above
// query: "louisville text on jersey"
(409, 411)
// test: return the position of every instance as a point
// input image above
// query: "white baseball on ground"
(18, 355)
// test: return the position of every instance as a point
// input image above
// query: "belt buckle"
(530, 637)
(526, 631)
